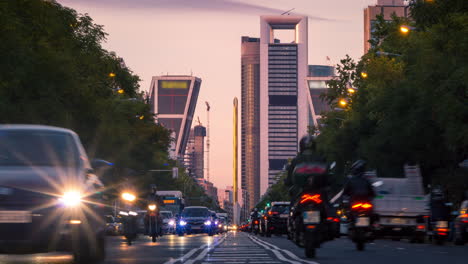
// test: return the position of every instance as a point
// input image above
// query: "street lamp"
(406, 29)
(112, 75)
(351, 90)
(343, 102)
(364, 75)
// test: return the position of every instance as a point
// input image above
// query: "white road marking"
(287, 252)
(190, 253)
(203, 253)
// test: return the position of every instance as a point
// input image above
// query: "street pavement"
(237, 248)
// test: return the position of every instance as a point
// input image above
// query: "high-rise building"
(283, 94)
(173, 99)
(250, 119)
(386, 8)
(194, 159)
(316, 83)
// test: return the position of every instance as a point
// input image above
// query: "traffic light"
(268, 204)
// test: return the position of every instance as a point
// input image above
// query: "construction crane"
(198, 120)
(207, 141)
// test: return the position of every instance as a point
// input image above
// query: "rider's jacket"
(359, 188)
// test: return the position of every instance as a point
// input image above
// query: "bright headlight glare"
(208, 222)
(182, 223)
(171, 223)
(128, 197)
(152, 207)
(71, 198)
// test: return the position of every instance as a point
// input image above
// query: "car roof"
(35, 127)
(194, 207)
(279, 203)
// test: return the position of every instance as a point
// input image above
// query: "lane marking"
(276, 252)
(190, 253)
(287, 252)
(205, 250)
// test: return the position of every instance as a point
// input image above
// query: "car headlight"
(208, 222)
(152, 207)
(171, 223)
(182, 222)
(128, 197)
(71, 198)
(216, 222)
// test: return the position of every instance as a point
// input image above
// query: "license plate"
(398, 221)
(283, 216)
(311, 217)
(442, 224)
(15, 217)
(256, 226)
(362, 221)
(196, 227)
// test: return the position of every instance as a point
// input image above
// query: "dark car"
(49, 195)
(461, 225)
(276, 218)
(195, 219)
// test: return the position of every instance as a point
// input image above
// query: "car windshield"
(37, 148)
(166, 215)
(282, 209)
(195, 212)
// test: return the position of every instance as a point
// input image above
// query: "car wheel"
(84, 253)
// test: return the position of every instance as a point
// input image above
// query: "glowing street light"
(120, 91)
(343, 102)
(112, 75)
(364, 75)
(406, 29)
(351, 90)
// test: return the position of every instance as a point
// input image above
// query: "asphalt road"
(237, 248)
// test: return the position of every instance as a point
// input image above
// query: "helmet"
(358, 168)
(307, 142)
(255, 209)
(154, 188)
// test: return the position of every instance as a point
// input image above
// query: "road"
(237, 248)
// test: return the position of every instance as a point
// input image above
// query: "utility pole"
(207, 141)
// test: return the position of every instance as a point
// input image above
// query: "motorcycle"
(361, 223)
(255, 225)
(308, 227)
(153, 223)
(130, 226)
(440, 231)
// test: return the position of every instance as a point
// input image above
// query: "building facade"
(194, 159)
(283, 94)
(250, 119)
(316, 82)
(209, 188)
(386, 8)
(173, 99)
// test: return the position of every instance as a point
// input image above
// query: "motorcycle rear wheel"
(360, 245)
(309, 249)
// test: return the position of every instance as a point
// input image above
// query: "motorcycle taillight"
(311, 198)
(361, 206)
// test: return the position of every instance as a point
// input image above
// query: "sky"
(203, 38)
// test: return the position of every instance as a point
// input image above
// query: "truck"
(401, 205)
(172, 201)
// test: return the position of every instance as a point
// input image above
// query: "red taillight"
(426, 216)
(361, 205)
(442, 234)
(442, 229)
(272, 213)
(311, 170)
(307, 197)
(336, 220)
(330, 219)
(256, 222)
(421, 227)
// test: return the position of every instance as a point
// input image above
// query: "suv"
(195, 219)
(276, 218)
(49, 194)
(168, 222)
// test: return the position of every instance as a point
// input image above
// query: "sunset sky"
(203, 37)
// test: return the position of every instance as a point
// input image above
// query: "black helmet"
(358, 168)
(154, 188)
(307, 142)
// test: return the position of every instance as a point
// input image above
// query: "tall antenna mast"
(207, 141)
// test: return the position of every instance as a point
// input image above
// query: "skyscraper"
(316, 82)
(194, 159)
(283, 94)
(386, 8)
(173, 99)
(250, 119)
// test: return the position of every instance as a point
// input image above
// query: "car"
(195, 219)
(461, 225)
(276, 218)
(49, 195)
(168, 222)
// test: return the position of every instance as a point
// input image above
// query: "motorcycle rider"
(438, 204)
(307, 153)
(153, 198)
(359, 188)
(254, 215)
